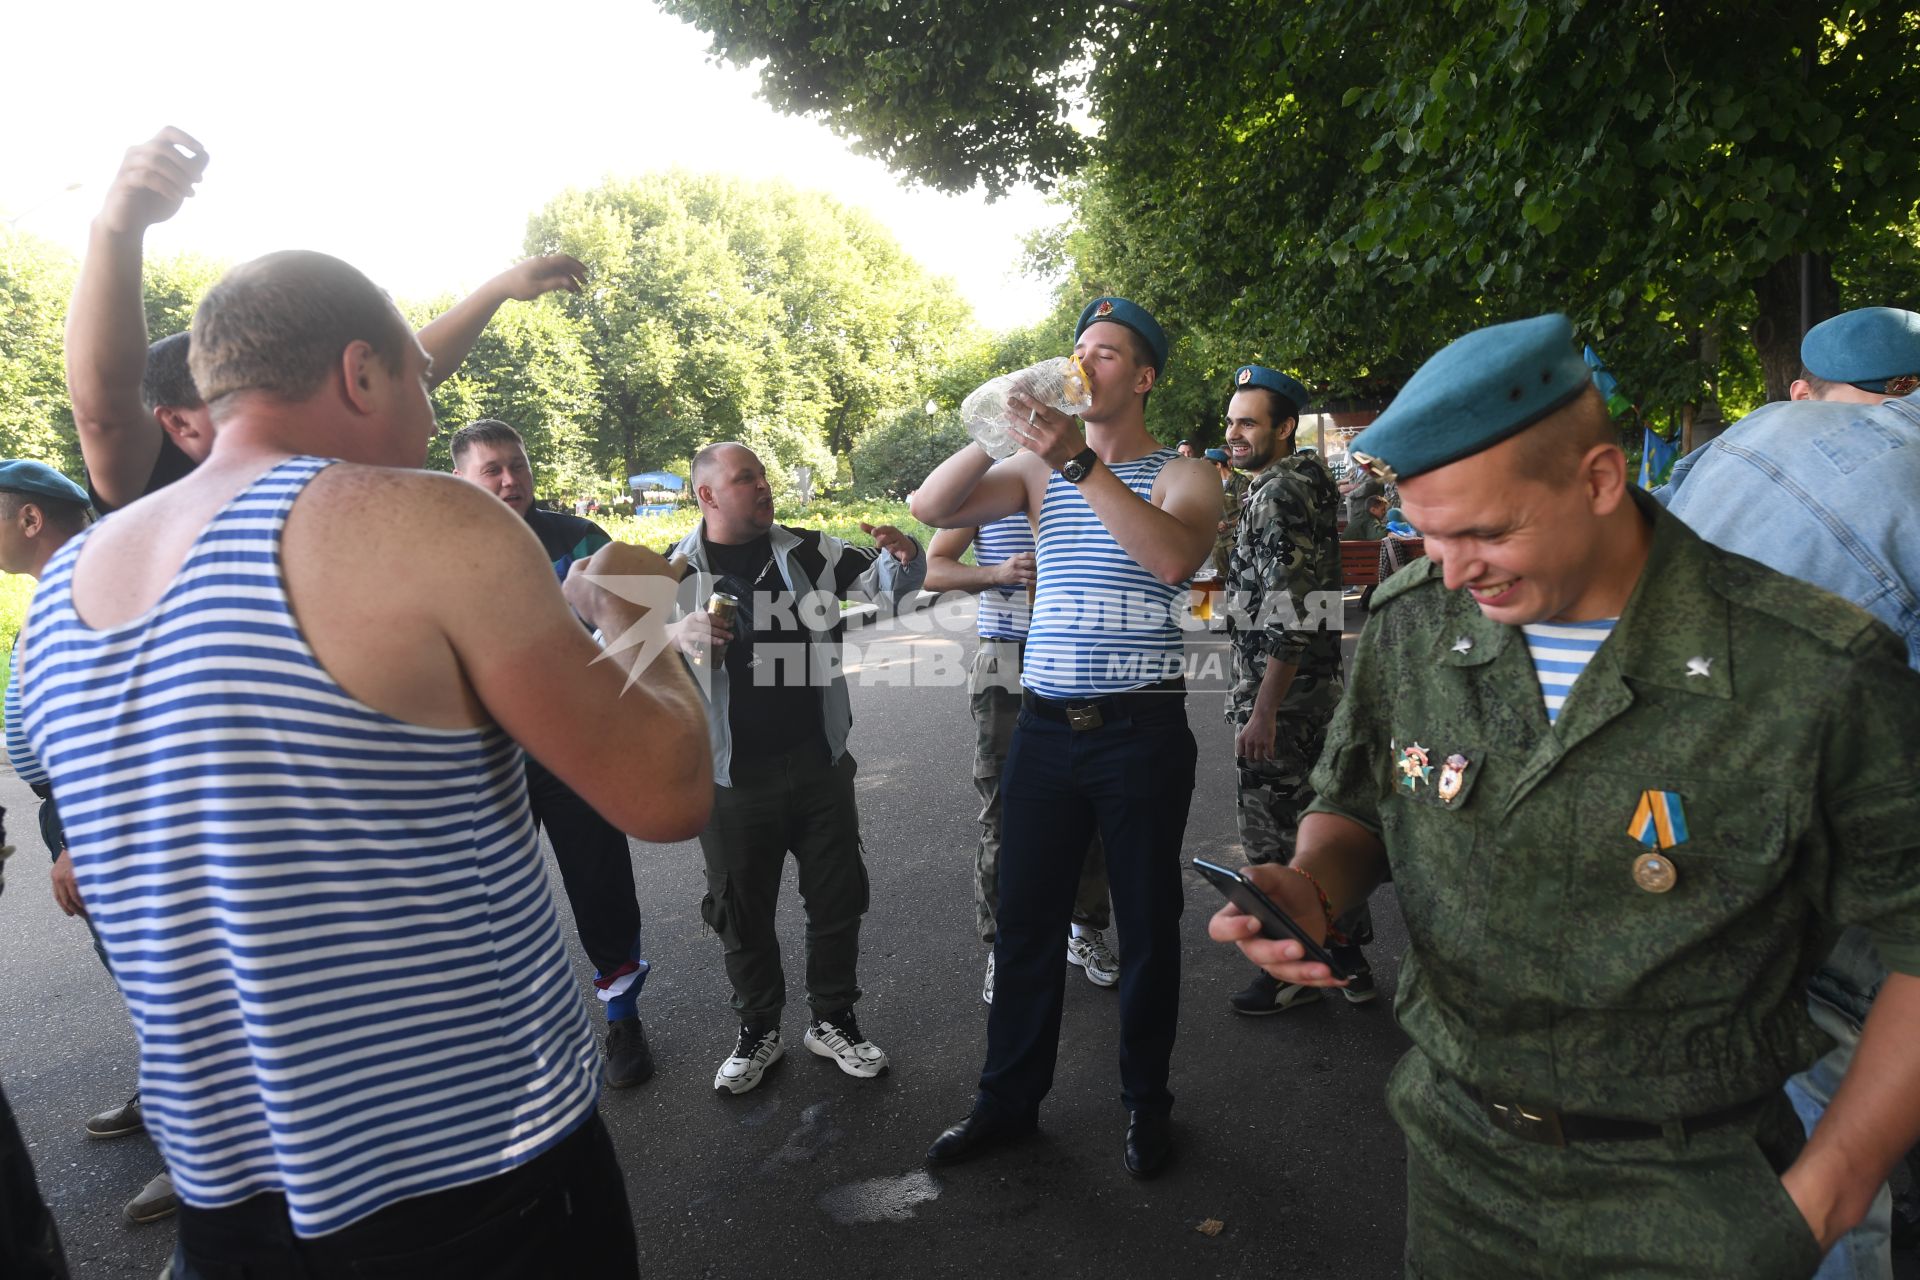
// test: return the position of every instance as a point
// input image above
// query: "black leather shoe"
(1149, 1144)
(978, 1134)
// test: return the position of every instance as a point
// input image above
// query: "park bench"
(1360, 561)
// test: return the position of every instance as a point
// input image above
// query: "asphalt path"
(1284, 1144)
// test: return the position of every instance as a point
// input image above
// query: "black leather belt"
(1557, 1129)
(1081, 714)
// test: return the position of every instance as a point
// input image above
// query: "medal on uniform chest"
(1452, 777)
(1659, 822)
(1414, 767)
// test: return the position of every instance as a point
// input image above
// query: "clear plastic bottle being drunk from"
(1059, 383)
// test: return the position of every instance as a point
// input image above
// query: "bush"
(891, 459)
(841, 519)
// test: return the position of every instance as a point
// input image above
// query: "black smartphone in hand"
(1275, 923)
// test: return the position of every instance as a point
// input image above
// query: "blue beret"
(1134, 317)
(1479, 390)
(1877, 349)
(1253, 375)
(41, 481)
(1216, 455)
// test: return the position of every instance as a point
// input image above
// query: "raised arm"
(451, 336)
(1171, 536)
(968, 490)
(107, 322)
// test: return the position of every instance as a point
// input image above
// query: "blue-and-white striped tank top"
(1101, 623)
(1002, 612)
(332, 928)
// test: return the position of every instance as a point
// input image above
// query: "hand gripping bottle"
(1059, 383)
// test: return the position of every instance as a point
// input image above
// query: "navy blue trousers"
(597, 869)
(1131, 780)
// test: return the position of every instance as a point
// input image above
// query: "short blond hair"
(1551, 449)
(278, 325)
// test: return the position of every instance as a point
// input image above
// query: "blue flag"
(1656, 459)
(1617, 402)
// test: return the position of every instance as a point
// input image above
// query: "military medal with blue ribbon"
(1659, 823)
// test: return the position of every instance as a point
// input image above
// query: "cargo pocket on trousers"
(715, 907)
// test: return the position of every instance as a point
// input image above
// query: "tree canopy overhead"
(955, 93)
(1340, 186)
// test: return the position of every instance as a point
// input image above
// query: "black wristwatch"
(1079, 466)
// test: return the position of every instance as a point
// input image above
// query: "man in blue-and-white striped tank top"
(1102, 742)
(1002, 579)
(297, 812)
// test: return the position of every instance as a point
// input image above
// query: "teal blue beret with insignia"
(39, 480)
(1876, 349)
(1132, 316)
(1253, 375)
(1216, 455)
(1477, 391)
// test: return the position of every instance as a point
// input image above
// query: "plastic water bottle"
(1059, 383)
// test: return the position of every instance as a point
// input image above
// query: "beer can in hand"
(724, 607)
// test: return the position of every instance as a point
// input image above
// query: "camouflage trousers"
(994, 690)
(1271, 796)
(1481, 1202)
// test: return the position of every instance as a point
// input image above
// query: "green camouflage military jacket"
(1284, 586)
(1749, 735)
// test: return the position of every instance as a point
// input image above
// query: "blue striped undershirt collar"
(1560, 652)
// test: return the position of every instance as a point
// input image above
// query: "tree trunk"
(1777, 326)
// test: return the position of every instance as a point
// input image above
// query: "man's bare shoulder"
(1187, 478)
(394, 500)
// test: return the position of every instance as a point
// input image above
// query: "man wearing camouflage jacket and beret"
(1283, 581)
(1629, 788)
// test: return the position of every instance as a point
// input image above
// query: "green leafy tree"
(895, 455)
(36, 421)
(1340, 187)
(721, 309)
(173, 288)
(530, 369)
(955, 93)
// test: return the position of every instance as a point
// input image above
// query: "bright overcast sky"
(414, 140)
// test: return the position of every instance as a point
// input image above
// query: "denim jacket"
(1830, 494)
(1825, 492)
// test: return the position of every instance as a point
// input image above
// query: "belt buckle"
(1081, 719)
(1541, 1126)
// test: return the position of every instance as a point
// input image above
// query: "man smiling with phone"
(1628, 787)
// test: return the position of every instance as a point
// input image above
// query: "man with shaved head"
(1628, 787)
(778, 715)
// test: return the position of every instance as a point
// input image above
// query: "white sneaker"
(840, 1039)
(986, 990)
(751, 1058)
(1089, 950)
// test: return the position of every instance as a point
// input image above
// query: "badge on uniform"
(1414, 767)
(1452, 775)
(1660, 822)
